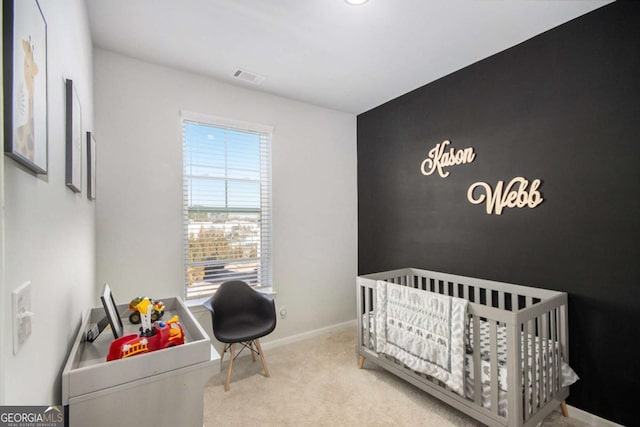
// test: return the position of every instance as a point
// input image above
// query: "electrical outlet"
(21, 315)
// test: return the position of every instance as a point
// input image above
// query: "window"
(227, 203)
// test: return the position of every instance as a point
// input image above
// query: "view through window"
(227, 219)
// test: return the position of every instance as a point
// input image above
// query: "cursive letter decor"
(514, 195)
(438, 159)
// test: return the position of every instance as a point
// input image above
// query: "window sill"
(196, 303)
(267, 291)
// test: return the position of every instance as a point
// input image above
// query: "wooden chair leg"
(230, 368)
(563, 408)
(224, 350)
(360, 362)
(264, 364)
(253, 354)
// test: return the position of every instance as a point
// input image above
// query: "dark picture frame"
(74, 138)
(111, 311)
(91, 166)
(25, 84)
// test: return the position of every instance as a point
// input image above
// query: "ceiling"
(324, 52)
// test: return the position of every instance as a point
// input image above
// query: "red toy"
(152, 337)
(163, 335)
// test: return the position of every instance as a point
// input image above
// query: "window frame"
(265, 133)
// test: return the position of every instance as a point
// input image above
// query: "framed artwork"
(73, 176)
(91, 166)
(25, 84)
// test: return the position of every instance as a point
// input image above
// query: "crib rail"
(485, 292)
(535, 317)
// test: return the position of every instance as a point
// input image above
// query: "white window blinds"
(227, 203)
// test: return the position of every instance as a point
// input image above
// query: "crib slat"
(536, 351)
(564, 352)
(554, 354)
(532, 372)
(540, 370)
(360, 312)
(525, 369)
(372, 309)
(365, 309)
(544, 351)
(367, 323)
(514, 373)
(477, 372)
(493, 346)
(541, 363)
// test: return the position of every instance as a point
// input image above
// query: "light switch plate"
(21, 298)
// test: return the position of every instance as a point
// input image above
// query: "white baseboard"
(590, 419)
(309, 334)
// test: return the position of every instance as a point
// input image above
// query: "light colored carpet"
(317, 383)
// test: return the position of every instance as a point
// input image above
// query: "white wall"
(49, 233)
(2, 287)
(139, 206)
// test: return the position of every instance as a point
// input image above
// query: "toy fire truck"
(152, 337)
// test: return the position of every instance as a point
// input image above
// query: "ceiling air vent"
(248, 76)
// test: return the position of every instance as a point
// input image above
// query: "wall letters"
(514, 195)
(438, 159)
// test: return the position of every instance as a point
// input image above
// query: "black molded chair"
(241, 315)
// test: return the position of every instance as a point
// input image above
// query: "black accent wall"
(563, 107)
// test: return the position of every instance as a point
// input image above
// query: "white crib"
(520, 384)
